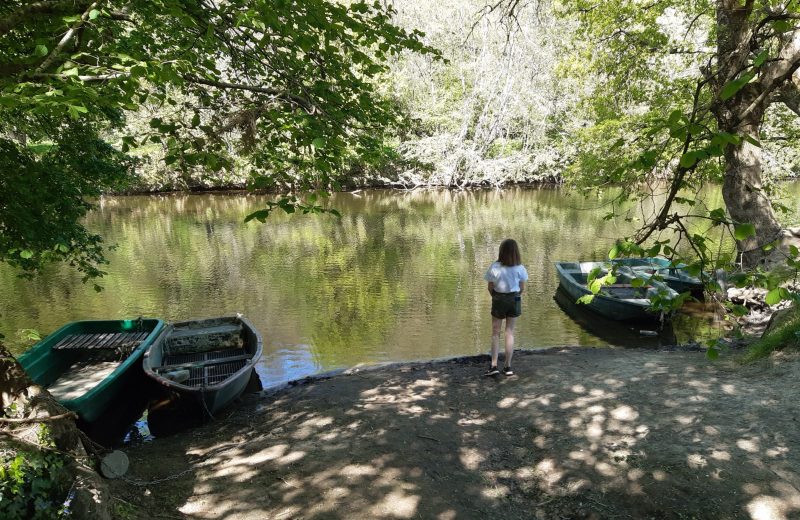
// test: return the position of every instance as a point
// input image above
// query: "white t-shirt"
(506, 278)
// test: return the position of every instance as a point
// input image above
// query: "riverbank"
(576, 433)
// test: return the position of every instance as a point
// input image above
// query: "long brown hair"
(509, 253)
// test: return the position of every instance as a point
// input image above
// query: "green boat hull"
(45, 365)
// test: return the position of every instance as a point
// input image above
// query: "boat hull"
(205, 386)
(612, 308)
(44, 364)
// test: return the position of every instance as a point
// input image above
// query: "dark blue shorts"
(506, 305)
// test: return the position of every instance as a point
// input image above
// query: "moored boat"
(209, 360)
(619, 301)
(674, 275)
(86, 364)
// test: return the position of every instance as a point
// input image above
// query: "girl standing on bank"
(506, 279)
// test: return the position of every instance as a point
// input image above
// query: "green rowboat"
(86, 364)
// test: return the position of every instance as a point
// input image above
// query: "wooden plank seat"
(101, 341)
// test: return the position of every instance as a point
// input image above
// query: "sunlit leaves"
(744, 231)
(689, 159)
(731, 88)
(285, 86)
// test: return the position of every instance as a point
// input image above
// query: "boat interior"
(579, 272)
(86, 359)
(202, 354)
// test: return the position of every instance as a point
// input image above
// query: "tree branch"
(304, 103)
(663, 219)
(45, 7)
(775, 73)
(65, 39)
(789, 95)
(24, 420)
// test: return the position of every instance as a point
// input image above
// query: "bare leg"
(510, 322)
(496, 324)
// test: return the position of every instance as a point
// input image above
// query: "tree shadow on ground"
(578, 433)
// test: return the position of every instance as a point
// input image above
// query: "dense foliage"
(32, 485)
(283, 85)
(686, 92)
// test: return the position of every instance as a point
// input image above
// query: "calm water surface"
(398, 277)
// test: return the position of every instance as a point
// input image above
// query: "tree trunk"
(743, 115)
(745, 199)
(31, 418)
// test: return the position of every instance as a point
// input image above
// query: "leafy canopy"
(680, 99)
(288, 83)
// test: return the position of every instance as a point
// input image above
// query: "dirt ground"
(576, 433)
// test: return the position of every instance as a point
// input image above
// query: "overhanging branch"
(38, 8)
(294, 99)
(65, 39)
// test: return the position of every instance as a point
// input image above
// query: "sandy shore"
(576, 433)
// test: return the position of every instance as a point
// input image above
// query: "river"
(398, 277)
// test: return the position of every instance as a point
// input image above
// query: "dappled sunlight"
(696, 461)
(624, 413)
(766, 508)
(748, 445)
(431, 443)
(471, 458)
(397, 504)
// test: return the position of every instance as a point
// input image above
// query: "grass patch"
(786, 334)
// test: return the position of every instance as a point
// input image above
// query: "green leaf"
(717, 214)
(41, 50)
(782, 26)
(752, 140)
(319, 143)
(739, 310)
(586, 299)
(743, 231)
(773, 297)
(731, 88)
(613, 253)
(94, 13)
(595, 286)
(75, 111)
(694, 269)
(637, 282)
(794, 251)
(679, 133)
(260, 215)
(689, 159)
(712, 353)
(26, 254)
(761, 58)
